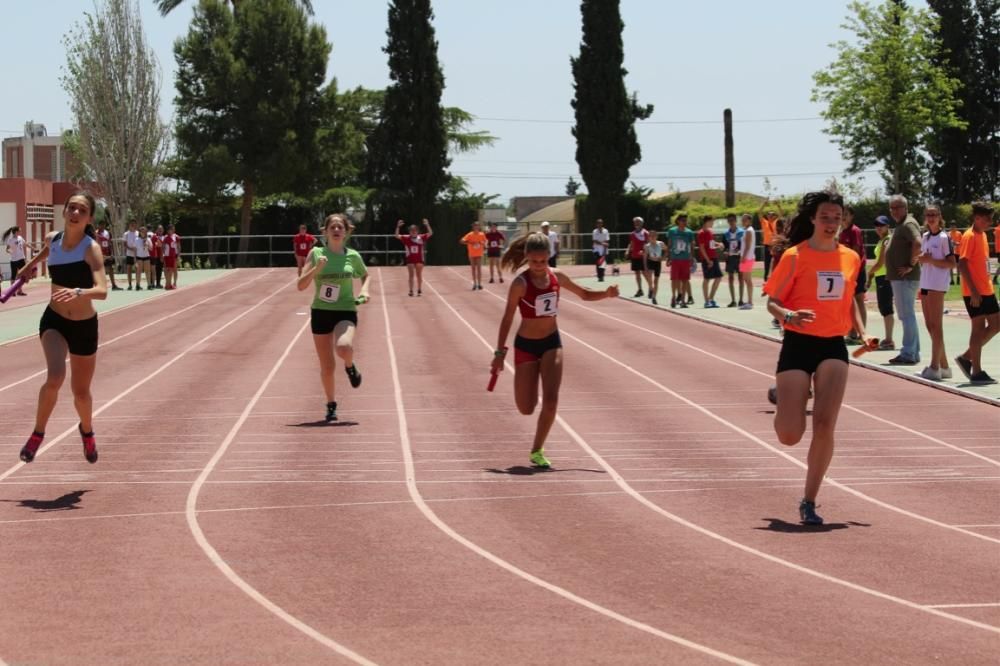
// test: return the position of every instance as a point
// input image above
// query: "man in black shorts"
(637, 254)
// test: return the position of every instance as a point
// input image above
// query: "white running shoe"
(931, 373)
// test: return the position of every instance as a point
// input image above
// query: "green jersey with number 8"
(335, 283)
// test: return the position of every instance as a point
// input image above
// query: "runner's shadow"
(521, 470)
(67, 502)
(779, 525)
(323, 424)
(809, 412)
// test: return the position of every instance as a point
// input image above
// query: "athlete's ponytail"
(90, 231)
(7, 234)
(517, 252)
(801, 226)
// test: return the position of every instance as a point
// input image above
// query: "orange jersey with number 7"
(824, 282)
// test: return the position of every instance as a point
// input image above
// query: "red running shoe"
(89, 445)
(28, 450)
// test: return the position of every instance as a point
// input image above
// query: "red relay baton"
(11, 290)
(863, 349)
(494, 376)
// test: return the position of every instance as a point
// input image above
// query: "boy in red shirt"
(709, 258)
(494, 248)
(303, 243)
(637, 254)
(977, 291)
(171, 255)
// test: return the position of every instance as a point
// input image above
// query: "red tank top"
(539, 302)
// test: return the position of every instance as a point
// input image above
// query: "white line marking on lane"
(418, 500)
(143, 327)
(986, 605)
(219, 562)
(624, 485)
(753, 438)
(150, 376)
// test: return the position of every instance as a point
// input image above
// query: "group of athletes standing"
(810, 292)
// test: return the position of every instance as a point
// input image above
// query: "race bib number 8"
(829, 285)
(413, 249)
(329, 293)
(546, 305)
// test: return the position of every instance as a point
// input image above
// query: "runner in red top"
(302, 242)
(156, 256)
(637, 254)
(537, 347)
(107, 250)
(414, 245)
(495, 241)
(171, 255)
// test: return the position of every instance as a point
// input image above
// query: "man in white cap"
(553, 243)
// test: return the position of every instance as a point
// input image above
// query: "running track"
(225, 525)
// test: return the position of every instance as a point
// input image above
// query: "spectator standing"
(937, 260)
(710, 271)
(602, 240)
(636, 253)
(852, 237)
(883, 288)
(902, 268)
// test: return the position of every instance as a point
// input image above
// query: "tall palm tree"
(167, 6)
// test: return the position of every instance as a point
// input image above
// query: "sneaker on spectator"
(980, 378)
(933, 374)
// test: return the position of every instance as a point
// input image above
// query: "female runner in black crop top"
(69, 324)
(537, 347)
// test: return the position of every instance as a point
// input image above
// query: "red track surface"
(224, 525)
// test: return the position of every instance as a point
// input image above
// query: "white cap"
(545, 224)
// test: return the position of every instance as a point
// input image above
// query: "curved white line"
(418, 500)
(213, 555)
(758, 440)
(148, 377)
(136, 330)
(624, 485)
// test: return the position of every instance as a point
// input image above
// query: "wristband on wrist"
(789, 315)
(500, 352)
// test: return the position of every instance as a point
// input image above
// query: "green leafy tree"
(606, 143)
(986, 135)
(409, 149)
(249, 99)
(884, 94)
(112, 80)
(167, 6)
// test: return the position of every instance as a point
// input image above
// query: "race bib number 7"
(329, 293)
(546, 305)
(829, 285)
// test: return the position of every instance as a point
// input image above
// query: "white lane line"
(749, 435)
(987, 525)
(150, 376)
(213, 555)
(637, 495)
(418, 500)
(141, 328)
(986, 605)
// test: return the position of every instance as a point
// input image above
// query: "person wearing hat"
(553, 237)
(883, 290)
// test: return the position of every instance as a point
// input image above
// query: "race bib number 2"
(829, 285)
(546, 305)
(329, 293)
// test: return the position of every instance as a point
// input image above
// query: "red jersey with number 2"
(415, 248)
(537, 303)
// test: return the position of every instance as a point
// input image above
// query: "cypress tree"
(949, 147)
(606, 144)
(986, 135)
(409, 150)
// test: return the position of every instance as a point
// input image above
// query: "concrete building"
(34, 186)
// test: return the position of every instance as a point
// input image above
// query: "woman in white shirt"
(143, 245)
(16, 249)
(937, 260)
(652, 253)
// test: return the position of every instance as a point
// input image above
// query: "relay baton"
(860, 351)
(494, 376)
(11, 290)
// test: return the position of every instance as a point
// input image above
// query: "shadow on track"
(779, 525)
(322, 424)
(520, 470)
(67, 502)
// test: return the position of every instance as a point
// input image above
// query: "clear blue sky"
(509, 59)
